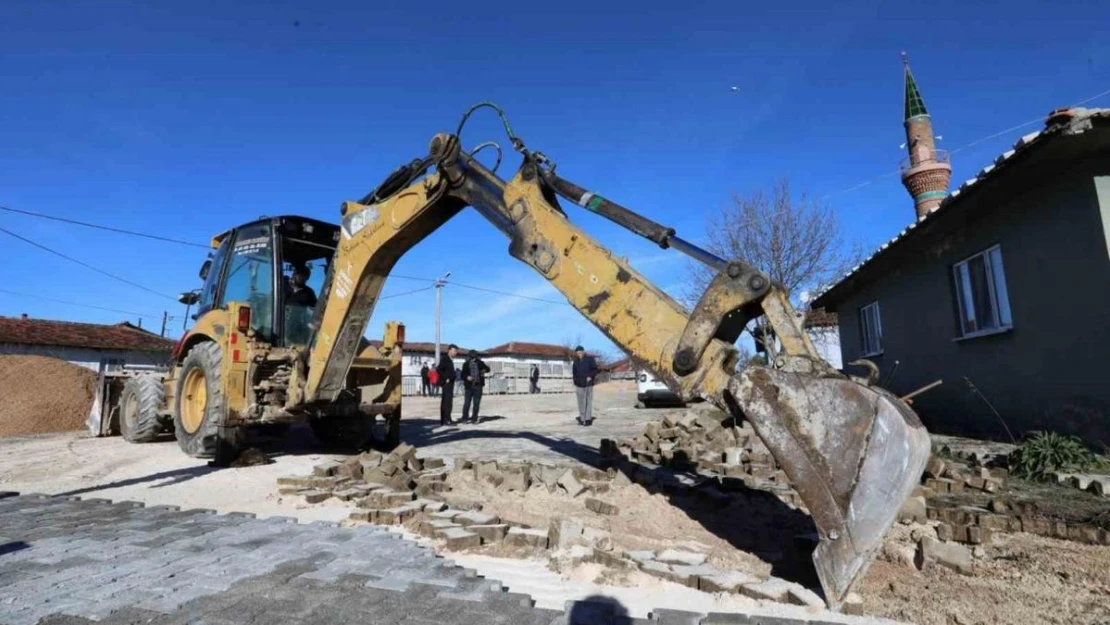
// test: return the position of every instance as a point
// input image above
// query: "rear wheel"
(199, 401)
(140, 404)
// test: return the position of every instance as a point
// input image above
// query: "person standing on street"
(445, 371)
(425, 386)
(433, 381)
(534, 377)
(584, 372)
(474, 379)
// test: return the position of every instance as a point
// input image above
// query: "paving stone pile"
(1094, 483)
(402, 489)
(709, 443)
(975, 525)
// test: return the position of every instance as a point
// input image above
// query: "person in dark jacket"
(474, 372)
(535, 379)
(445, 371)
(425, 385)
(584, 372)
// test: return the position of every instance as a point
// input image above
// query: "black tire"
(140, 407)
(204, 360)
(344, 433)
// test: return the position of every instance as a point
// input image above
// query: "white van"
(651, 392)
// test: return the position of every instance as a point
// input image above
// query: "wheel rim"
(194, 401)
(128, 412)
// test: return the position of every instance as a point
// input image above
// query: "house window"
(982, 302)
(871, 330)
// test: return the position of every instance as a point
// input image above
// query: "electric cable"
(69, 303)
(405, 293)
(85, 265)
(100, 227)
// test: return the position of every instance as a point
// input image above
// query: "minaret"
(926, 171)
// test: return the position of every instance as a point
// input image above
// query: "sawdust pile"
(40, 395)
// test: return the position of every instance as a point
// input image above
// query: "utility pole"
(165, 318)
(440, 283)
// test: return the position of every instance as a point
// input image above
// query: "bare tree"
(797, 241)
(570, 343)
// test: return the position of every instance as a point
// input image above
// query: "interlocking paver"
(73, 561)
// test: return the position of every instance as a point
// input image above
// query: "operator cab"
(255, 264)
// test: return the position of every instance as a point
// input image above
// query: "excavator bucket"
(853, 452)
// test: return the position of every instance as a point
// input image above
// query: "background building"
(1000, 290)
(97, 347)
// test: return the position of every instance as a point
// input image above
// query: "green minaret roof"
(915, 105)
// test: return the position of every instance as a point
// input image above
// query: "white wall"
(92, 359)
(508, 374)
(827, 342)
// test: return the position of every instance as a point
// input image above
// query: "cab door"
(251, 278)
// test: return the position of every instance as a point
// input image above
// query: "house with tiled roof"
(99, 347)
(998, 288)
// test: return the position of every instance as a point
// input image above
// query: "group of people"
(440, 380)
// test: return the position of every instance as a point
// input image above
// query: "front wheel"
(199, 401)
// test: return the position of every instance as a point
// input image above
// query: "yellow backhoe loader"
(853, 451)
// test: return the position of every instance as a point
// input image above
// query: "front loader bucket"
(854, 453)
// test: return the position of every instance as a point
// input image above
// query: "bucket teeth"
(854, 454)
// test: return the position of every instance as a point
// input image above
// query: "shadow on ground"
(176, 476)
(597, 609)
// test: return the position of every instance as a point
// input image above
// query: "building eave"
(1059, 123)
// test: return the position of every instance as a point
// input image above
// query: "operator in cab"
(298, 292)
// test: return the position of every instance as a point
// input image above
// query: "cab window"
(304, 267)
(250, 277)
(212, 281)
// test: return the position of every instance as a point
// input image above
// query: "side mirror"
(190, 298)
(205, 268)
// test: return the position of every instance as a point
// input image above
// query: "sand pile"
(40, 395)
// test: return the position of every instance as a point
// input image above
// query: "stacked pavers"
(710, 443)
(395, 499)
(975, 524)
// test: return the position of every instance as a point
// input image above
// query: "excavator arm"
(853, 452)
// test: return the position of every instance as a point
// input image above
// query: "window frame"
(996, 295)
(878, 351)
(222, 301)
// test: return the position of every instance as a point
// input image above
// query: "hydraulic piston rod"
(662, 235)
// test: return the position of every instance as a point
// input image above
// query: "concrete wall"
(92, 359)
(1051, 370)
(508, 374)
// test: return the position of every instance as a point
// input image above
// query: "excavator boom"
(853, 452)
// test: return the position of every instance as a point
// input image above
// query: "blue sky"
(185, 118)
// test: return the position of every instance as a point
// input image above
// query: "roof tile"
(122, 336)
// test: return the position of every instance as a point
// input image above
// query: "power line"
(963, 147)
(69, 303)
(100, 227)
(86, 265)
(479, 288)
(505, 293)
(427, 288)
